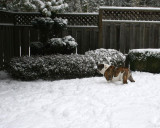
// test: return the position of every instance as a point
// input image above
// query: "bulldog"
(112, 73)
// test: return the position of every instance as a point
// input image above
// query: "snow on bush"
(45, 23)
(47, 7)
(147, 60)
(70, 42)
(52, 67)
(108, 56)
(65, 45)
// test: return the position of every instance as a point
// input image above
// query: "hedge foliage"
(108, 56)
(146, 60)
(54, 67)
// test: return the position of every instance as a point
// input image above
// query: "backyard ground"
(80, 103)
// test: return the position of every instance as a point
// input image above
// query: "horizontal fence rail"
(120, 28)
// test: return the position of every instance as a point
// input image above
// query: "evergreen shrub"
(66, 45)
(107, 56)
(147, 60)
(54, 67)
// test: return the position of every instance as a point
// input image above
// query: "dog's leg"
(125, 76)
(131, 78)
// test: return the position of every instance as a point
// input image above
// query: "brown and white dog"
(112, 73)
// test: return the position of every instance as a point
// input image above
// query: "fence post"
(100, 38)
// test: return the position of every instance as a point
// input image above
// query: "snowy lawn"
(80, 103)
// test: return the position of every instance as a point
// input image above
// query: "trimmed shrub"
(52, 67)
(107, 56)
(147, 60)
(66, 45)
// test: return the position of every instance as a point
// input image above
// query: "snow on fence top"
(130, 8)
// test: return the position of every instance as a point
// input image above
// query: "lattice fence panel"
(80, 19)
(138, 15)
(25, 19)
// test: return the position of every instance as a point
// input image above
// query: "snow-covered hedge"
(147, 60)
(108, 56)
(52, 67)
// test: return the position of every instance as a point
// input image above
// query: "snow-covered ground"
(80, 103)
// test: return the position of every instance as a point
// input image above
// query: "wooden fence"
(125, 28)
(113, 27)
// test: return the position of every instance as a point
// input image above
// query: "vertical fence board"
(159, 36)
(79, 40)
(94, 45)
(33, 35)
(88, 40)
(117, 37)
(113, 36)
(84, 40)
(132, 36)
(137, 36)
(106, 35)
(1, 46)
(122, 37)
(146, 36)
(25, 41)
(92, 39)
(8, 44)
(142, 29)
(127, 40)
(156, 31)
(17, 41)
(151, 36)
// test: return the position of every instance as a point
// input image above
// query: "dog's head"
(102, 68)
(109, 73)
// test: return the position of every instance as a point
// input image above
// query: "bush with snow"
(147, 60)
(65, 45)
(52, 67)
(45, 23)
(108, 56)
(46, 7)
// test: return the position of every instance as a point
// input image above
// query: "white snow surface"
(80, 103)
